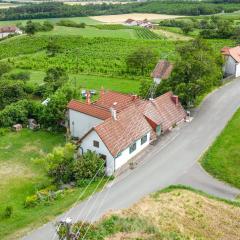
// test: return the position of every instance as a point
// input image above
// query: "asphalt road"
(174, 163)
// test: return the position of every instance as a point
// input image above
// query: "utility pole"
(67, 224)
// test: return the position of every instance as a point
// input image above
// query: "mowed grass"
(92, 32)
(21, 176)
(86, 20)
(81, 81)
(222, 160)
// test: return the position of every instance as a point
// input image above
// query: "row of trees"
(32, 27)
(54, 9)
(209, 27)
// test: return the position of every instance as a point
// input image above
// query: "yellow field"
(93, 2)
(7, 5)
(136, 16)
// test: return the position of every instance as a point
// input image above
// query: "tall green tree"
(142, 60)
(196, 72)
(30, 28)
(55, 78)
(52, 48)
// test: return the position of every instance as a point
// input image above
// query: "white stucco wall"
(87, 144)
(82, 123)
(112, 164)
(237, 70)
(157, 80)
(230, 66)
(3, 35)
(125, 155)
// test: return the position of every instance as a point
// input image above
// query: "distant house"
(232, 61)
(145, 23)
(141, 23)
(130, 22)
(118, 126)
(7, 30)
(162, 71)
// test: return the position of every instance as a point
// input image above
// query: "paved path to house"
(174, 163)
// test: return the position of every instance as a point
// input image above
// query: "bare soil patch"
(136, 16)
(12, 170)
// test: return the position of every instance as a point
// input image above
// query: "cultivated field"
(138, 16)
(7, 5)
(94, 2)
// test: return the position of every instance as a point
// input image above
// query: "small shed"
(162, 71)
(17, 127)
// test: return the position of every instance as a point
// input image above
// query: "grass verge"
(222, 159)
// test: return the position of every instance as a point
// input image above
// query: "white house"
(232, 61)
(131, 22)
(162, 71)
(119, 138)
(118, 126)
(7, 30)
(83, 117)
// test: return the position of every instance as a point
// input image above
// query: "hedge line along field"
(97, 56)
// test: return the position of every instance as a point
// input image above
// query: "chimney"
(114, 111)
(134, 97)
(175, 100)
(88, 97)
(102, 92)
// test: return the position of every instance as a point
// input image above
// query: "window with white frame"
(143, 139)
(132, 148)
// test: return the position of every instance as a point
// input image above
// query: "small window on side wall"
(96, 144)
(132, 148)
(143, 139)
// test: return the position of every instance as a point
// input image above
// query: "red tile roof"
(108, 98)
(168, 110)
(148, 109)
(89, 109)
(162, 70)
(6, 29)
(129, 20)
(119, 134)
(233, 52)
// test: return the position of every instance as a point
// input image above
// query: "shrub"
(31, 201)
(8, 212)
(88, 165)
(59, 164)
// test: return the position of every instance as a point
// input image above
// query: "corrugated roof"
(89, 109)
(162, 70)
(119, 134)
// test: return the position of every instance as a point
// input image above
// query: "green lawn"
(92, 32)
(222, 160)
(123, 85)
(86, 20)
(20, 177)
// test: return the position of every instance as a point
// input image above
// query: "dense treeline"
(52, 10)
